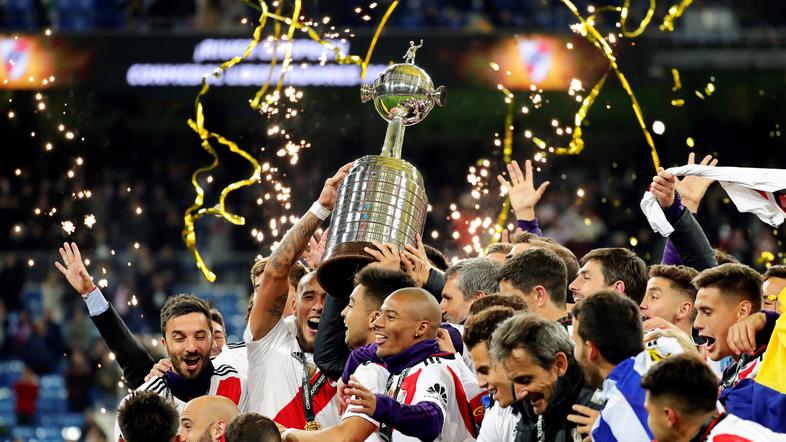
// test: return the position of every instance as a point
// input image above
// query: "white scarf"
(750, 189)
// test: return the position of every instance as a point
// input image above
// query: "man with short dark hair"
(729, 318)
(252, 427)
(500, 418)
(611, 268)
(144, 416)
(681, 398)
(539, 277)
(610, 350)
(726, 294)
(373, 285)
(466, 282)
(283, 381)
(187, 338)
(773, 287)
(670, 296)
(537, 357)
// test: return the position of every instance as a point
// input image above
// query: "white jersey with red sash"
(729, 428)
(441, 379)
(277, 371)
(224, 381)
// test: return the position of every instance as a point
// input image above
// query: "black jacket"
(691, 243)
(570, 390)
(330, 350)
(135, 361)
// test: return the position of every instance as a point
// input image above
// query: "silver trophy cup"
(382, 198)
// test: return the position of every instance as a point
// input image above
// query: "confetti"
(675, 74)
(265, 103)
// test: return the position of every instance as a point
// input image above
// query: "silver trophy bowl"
(383, 198)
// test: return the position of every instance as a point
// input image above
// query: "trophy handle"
(440, 96)
(366, 92)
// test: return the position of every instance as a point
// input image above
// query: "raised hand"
(315, 250)
(158, 370)
(693, 188)
(387, 255)
(327, 198)
(521, 188)
(74, 269)
(742, 334)
(663, 187)
(414, 266)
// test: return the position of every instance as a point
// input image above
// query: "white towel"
(750, 189)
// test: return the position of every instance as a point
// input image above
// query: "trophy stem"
(394, 137)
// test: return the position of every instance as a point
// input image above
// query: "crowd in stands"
(472, 16)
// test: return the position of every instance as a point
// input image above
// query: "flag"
(762, 399)
(758, 191)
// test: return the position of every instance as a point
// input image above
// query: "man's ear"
(479, 294)
(219, 430)
(561, 363)
(423, 328)
(619, 286)
(744, 309)
(541, 295)
(671, 416)
(592, 351)
(686, 308)
(371, 318)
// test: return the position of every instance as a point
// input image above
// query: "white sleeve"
(371, 379)
(435, 385)
(259, 349)
(497, 425)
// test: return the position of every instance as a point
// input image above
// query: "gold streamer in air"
(675, 11)
(197, 211)
(507, 153)
(675, 74)
(586, 28)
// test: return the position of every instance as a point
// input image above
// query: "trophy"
(382, 198)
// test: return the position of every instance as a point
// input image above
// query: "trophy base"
(336, 274)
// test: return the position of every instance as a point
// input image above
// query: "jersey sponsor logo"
(438, 392)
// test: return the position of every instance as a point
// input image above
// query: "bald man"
(206, 419)
(418, 392)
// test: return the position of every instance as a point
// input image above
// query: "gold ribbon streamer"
(588, 31)
(675, 11)
(644, 23)
(677, 83)
(507, 153)
(196, 210)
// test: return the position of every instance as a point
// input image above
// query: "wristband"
(319, 211)
(286, 433)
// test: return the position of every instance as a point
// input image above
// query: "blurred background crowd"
(140, 154)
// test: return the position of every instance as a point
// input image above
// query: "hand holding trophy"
(383, 198)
